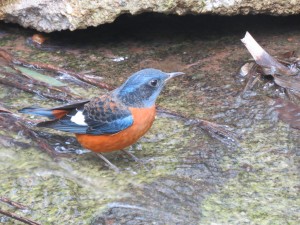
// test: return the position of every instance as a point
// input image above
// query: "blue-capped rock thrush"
(113, 121)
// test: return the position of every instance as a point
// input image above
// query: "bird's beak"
(174, 74)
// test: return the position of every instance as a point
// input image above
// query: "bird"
(113, 121)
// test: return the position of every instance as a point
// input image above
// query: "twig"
(64, 90)
(7, 56)
(12, 80)
(287, 82)
(16, 124)
(216, 130)
(264, 59)
(79, 76)
(193, 64)
(251, 80)
(12, 203)
(42, 143)
(286, 76)
(10, 59)
(4, 110)
(19, 218)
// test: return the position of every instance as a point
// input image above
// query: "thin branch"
(19, 218)
(13, 80)
(4, 110)
(12, 203)
(33, 81)
(215, 130)
(15, 123)
(264, 59)
(82, 77)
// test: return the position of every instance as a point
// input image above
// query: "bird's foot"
(140, 162)
(112, 166)
(136, 159)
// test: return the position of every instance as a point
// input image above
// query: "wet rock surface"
(186, 176)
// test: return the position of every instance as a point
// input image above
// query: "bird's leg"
(136, 159)
(131, 155)
(112, 166)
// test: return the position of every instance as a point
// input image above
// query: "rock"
(56, 15)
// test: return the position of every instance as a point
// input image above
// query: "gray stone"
(56, 15)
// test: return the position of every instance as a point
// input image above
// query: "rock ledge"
(56, 15)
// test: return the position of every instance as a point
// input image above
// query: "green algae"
(73, 190)
(266, 191)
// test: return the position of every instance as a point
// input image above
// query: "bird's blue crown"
(142, 88)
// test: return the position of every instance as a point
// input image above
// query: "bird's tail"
(49, 113)
(55, 112)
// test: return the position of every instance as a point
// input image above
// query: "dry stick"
(282, 74)
(42, 143)
(4, 110)
(251, 81)
(9, 58)
(64, 90)
(285, 62)
(14, 83)
(20, 218)
(12, 203)
(81, 77)
(287, 82)
(18, 123)
(193, 64)
(208, 126)
(264, 59)
(216, 129)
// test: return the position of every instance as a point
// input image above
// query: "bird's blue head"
(143, 87)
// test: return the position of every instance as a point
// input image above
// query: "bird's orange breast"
(142, 121)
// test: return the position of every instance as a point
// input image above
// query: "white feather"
(78, 118)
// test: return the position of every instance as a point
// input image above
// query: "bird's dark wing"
(99, 116)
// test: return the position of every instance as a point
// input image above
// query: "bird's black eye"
(153, 83)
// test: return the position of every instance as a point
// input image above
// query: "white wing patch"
(78, 118)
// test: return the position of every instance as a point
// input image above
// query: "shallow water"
(186, 176)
